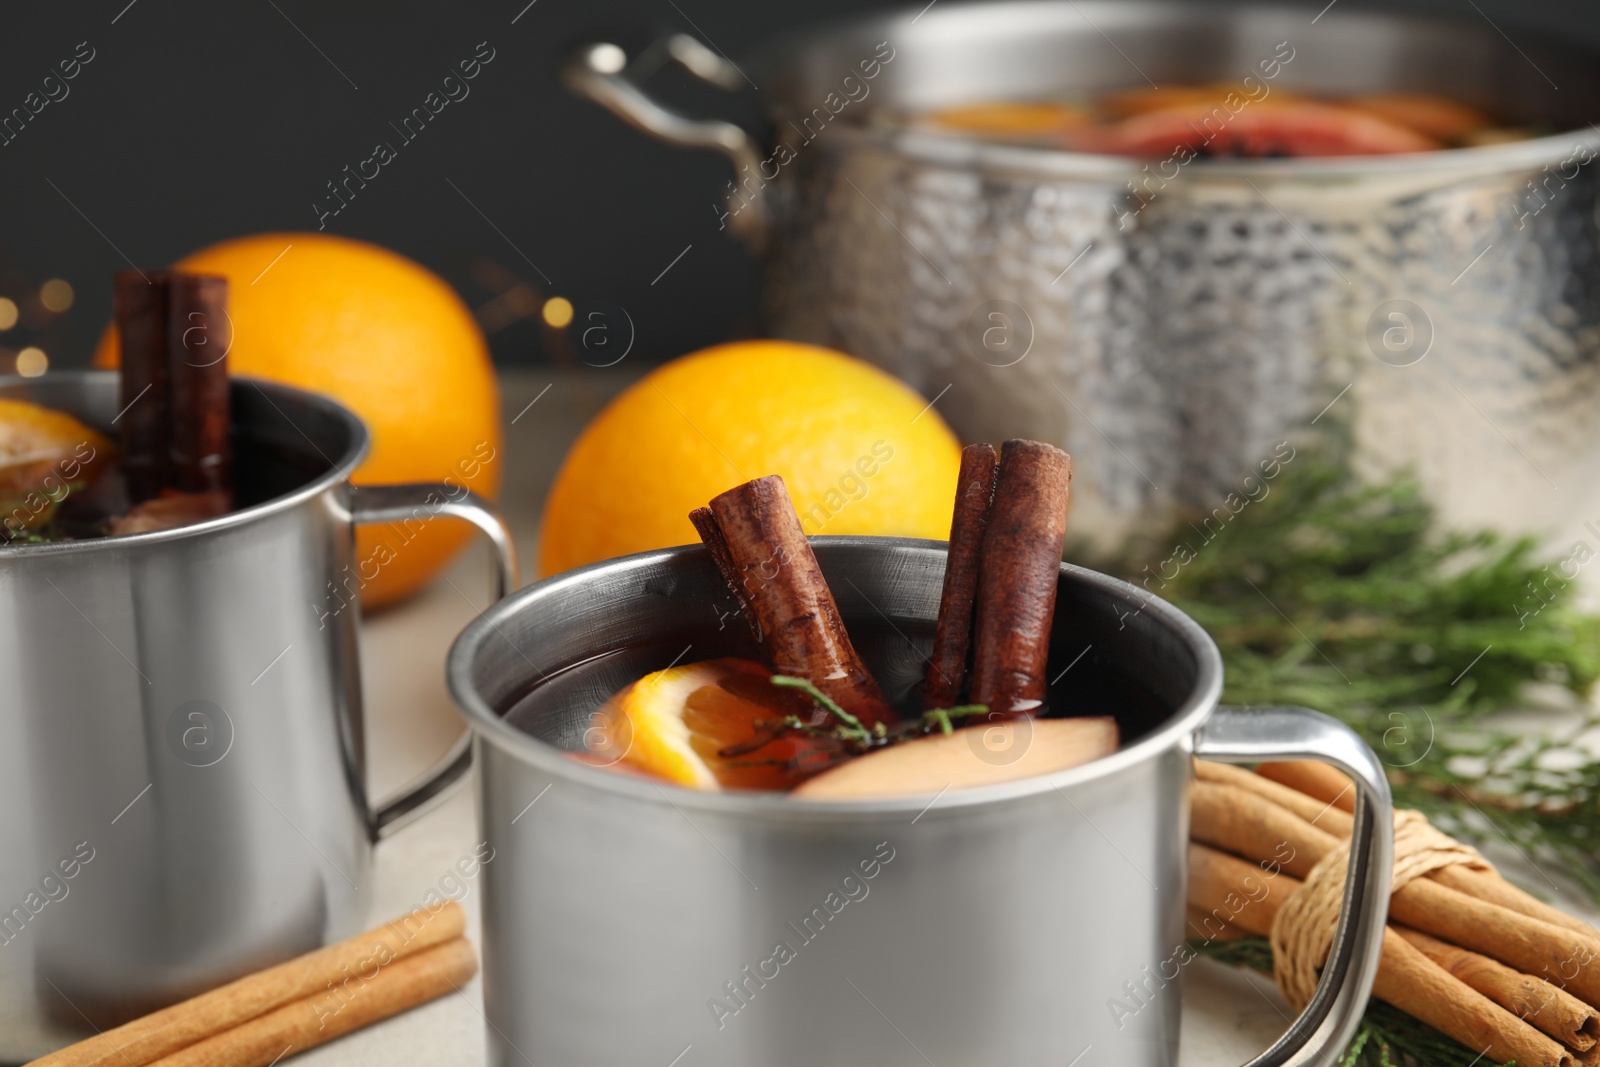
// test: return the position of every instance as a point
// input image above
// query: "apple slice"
(977, 755)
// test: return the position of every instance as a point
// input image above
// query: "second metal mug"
(181, 753)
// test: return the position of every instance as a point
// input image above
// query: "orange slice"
(1430, 115)
(45, 455)
(717, 724)
(1004, 120)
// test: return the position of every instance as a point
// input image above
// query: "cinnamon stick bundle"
(1237, 891)
(1468, 923)
(223, 1010)
(1249, 825)
(755, 536)
(1017, 578)
(952, 635)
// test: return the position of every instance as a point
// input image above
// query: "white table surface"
(1228, 1015)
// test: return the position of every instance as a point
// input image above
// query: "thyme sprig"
(941, 717)
(853, 731)
(849, 729)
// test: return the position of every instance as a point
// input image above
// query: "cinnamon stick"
(1544, 950)
(1241, 894)
(1248, 825)
(1017, 576)
(199, 334)
(705, 524)
(139, 305)
(357, 1002)
(801, 631)
(952, 635)
(1328, 817)
(1313, 778)
(1245, 823)
(165, 1032)
(1493, 887)
(1551, 1009)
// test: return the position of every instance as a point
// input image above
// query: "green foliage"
(1344, 598)
(1347, 599)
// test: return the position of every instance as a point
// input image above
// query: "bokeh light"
(55, 295)
(557, 311)
(32, 362)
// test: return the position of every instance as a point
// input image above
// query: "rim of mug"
(963, 150)
(339, 470)
(489, 725)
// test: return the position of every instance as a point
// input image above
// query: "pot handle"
(427, 500)
(1254, 735)
(599, 72)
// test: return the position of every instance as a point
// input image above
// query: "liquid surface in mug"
(558, 710)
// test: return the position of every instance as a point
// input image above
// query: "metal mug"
(181, 741)
(630, 922)
(1170, 324)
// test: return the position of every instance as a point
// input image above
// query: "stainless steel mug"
(1035, 923)
(182, 784)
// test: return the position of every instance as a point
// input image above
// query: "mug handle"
(1255, 735)
(427, 500)
(600, 72)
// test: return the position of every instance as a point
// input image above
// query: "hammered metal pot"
(1171, 326)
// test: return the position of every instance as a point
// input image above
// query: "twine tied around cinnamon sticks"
(1302, 931)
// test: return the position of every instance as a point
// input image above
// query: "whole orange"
(859, 451)
(391, 341)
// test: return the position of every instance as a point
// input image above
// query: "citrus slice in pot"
(1006, 120)
(1430, 115)
(1269, 128)
(1130, 102)
(717, 724)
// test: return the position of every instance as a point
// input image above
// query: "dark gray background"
(199, 121)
